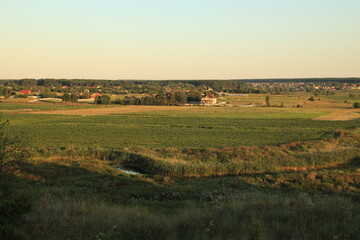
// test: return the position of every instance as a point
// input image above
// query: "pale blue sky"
(179, 39)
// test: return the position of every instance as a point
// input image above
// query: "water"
(127, 171)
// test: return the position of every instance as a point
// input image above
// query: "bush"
(13, 205)
(356, 105)
(104, 99)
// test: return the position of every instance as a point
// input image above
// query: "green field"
(43, 107)
(230, 129)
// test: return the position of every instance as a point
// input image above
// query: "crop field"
(199, 127)
(33, 107)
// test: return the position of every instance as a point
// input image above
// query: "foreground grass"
(79, 196)
(88, 199)
(255, 215)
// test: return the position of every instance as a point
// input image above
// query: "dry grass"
(341, 115)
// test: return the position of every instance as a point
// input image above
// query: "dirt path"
(110, 110)
(341, 115)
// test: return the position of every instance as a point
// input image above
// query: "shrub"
(13, 204)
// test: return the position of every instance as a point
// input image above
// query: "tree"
(66, 97)
(69, 97)
(356, 105)
(104, 99)
(73, 98)
(86, 94)
(180, 98)
(193, 96)
(267, 100)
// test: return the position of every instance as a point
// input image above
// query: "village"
(190, 93)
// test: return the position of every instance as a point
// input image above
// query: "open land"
(205, 172)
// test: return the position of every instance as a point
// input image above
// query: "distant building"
(22, 92)
(94, 95)
(208, 101)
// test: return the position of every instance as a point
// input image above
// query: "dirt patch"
(111, 110)
(341, 115)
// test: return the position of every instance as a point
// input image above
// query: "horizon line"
(180, 79)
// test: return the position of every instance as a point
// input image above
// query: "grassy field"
(345, 95)
(205, 172)
(81, 125)
(82, 198)
(18, 107)
(225, 128)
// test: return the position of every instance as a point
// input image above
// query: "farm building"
(22, 92)
(94, 95)
(208, 101)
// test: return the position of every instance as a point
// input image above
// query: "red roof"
(25, 92)
(94, 95)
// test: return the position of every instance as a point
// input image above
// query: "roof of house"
(95, 94)
(25, 92)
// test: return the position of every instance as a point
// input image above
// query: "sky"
(179, 39)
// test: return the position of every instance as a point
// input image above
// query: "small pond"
(126, 170)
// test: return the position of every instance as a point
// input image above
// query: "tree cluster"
(69, 97)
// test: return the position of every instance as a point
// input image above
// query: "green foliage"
(356, 105)
(47, 94)
(242, 160)
(104, 99)
(13, 205)
(70, 97)
(267, 100)
(100, 203)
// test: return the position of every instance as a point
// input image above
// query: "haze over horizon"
(159, 39)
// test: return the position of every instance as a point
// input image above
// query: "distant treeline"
(219, 85)
(215, 84)
(305, 80)
(135, 86)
